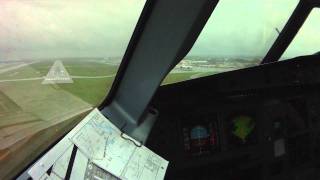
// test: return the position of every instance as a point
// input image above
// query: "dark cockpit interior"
(255, 123)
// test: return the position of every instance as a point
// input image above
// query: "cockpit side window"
(238, 35)
(307, 41)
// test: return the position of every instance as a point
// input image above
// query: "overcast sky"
(69, 28)
(60, 28)
(243, 27)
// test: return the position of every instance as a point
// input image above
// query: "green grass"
(42, 67)
(38, 69)
(90, 69)
(177, 77)
(34, 70)
(92, 91)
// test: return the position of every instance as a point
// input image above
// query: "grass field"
(91, 90)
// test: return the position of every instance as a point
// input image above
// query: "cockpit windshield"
(58, 60)
(237, 35)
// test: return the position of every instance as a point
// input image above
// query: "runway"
(42, 78)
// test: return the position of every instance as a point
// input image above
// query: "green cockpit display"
(243, 127)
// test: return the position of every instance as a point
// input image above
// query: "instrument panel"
(270, 136)
(234, 127)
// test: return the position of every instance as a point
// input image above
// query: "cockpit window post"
(166, 35)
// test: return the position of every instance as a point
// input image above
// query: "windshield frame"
(290, 30)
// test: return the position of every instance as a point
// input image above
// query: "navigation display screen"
(241, 130)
